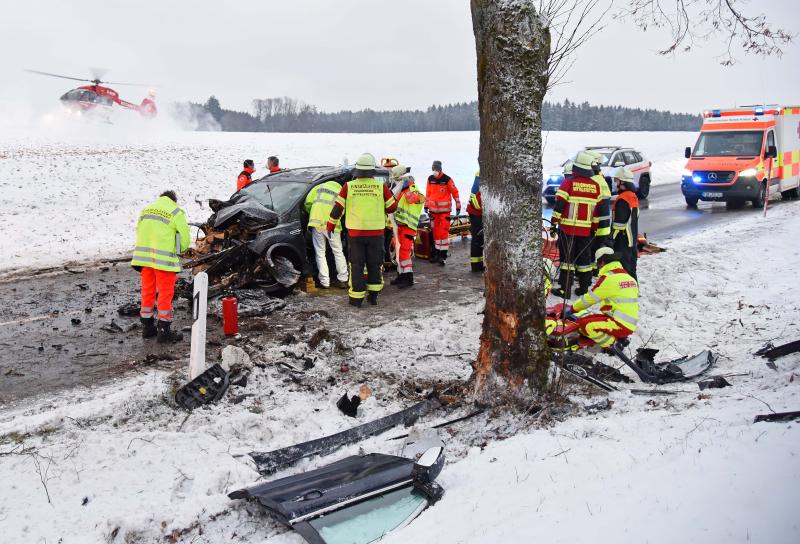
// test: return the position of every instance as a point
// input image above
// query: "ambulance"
(744, 154)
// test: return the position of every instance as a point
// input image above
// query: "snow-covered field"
(74, 192)
(121, 466)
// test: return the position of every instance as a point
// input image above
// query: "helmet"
(568, 168)
(582, 165)
(597, 159)
(365, 162)
(399, 170)
(624, 175)
(549, 269)
(607, 254)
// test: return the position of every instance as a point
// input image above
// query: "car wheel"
(758, 202)
(734, 204)
(644, 187)
(691, 201)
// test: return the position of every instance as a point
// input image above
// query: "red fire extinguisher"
(230, 316)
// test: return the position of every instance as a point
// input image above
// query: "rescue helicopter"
(98, 99)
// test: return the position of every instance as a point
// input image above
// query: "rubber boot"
(434, 256)
(442, 257)
(149, 329)
(584, 282)
(398, 280)
(478, 268)
(165, 335)
(372, 298)
(356, 302)
(564, 288)
(408, 280)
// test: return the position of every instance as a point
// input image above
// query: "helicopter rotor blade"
(98, 73)
(57, 75)
(130, 84)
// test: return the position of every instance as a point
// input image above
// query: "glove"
(553, 230)
(329, 232)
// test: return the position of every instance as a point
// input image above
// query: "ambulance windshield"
(729, 144)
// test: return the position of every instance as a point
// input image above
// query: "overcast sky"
(351, 54)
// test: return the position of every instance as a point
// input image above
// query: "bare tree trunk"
(513, 46)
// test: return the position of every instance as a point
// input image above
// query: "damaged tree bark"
(512, 47)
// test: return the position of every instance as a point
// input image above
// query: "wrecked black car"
(356, 500)
(259, 237)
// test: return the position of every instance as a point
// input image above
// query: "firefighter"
(476, 225)
(365, 202)
(602, 220)
(441, 189)
(273, 164)
(162, 233)
(318, 205)
(617, 293)
(626, 220)
(409, 207)
(246, 177)
(573, 219)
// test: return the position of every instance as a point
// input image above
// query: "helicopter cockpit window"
(104, 100)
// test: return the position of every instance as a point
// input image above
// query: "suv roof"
(605, 147)
(310, 174)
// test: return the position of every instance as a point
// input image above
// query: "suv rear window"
(278, 196)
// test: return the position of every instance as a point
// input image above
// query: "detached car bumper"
(743, 188)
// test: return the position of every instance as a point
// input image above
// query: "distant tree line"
(284, 114)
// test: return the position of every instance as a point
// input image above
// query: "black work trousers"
(476, 243)
(575, 253)
(365, 251)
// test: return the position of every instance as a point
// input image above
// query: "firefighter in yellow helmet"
(364, 201)
(617, 294)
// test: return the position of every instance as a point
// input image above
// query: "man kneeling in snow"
(618, 295)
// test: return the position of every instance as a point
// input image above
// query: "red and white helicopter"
(96, 98)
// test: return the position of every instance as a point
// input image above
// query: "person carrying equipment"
(626, 220)
(409, 207)
(365, 202)
(602, 219)
(246, 177)
(162, 233)
(573, 219)
(441, 189)
(318, 204)
(476, 225)
(617, 293)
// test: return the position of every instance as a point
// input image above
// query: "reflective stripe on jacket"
(602, 213)
(626, 220)
(161, 234)
(365, 202)
(409, 207)
(617, 293)
(319, 203)
(474, 206)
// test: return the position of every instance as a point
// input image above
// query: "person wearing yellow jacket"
(318, 204)
(617, 294)
(162, 233)
(409, 207)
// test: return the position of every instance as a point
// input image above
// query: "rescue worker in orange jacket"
(617, 293)
(273, 164)
(409, 207)
(475, 211)
(574, 218)
(625, 227)
(246, 177)
(441, 189)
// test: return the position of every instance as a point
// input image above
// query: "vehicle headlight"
(552, 180)
(687, 173)
(750, 172)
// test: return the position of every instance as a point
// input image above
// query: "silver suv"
(612, 158)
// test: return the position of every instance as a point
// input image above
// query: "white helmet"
(366, 162)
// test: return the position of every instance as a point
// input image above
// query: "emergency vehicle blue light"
(697, 179)
(759, 111)
(554, 179)
(716, 113)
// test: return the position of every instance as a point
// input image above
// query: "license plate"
(712, 195)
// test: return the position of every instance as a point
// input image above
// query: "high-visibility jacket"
(409, 207)
(617, 293)
(439, 192)
(602, 213)
(574, 211)
(161, 234)
(474, 206)
(365, 203)
(244, 179)
(319, 203)
(626, 220)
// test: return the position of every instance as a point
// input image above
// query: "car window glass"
(729, 144)
(637, 156)
(369, 520)
(630, 158)
(277, 196)
(617, 158)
